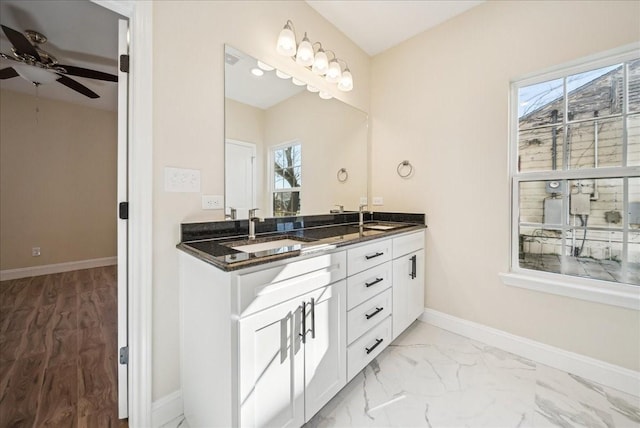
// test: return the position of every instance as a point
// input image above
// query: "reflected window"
(575, 171)
(286, 179)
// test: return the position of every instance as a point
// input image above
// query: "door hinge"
(124, 355)
(123, 210)
(124, 63)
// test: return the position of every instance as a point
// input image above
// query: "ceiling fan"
(38, 66)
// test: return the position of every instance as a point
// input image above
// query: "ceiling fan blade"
(90, 74)
(76, 86)
(20, 42)
(8, 73)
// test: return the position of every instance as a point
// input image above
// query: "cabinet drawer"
(364, 285)
(264, 288)
(368, 314)
(408, 244)
(362, 351)
(361, 258)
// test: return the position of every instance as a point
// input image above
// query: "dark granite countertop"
(218, 252)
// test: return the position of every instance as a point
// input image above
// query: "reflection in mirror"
(285, 147)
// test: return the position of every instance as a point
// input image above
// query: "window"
(286, 179)
(575, 173)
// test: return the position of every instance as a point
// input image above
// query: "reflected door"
(240, 177)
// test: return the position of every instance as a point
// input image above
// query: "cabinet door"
(408, 290)
(326, 353)
(271, 369)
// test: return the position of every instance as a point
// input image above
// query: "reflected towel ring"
(342, 175)
(402, 165)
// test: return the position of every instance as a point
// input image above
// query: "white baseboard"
(8, 274)
(166, 409)
(598, 371)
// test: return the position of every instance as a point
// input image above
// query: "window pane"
(633, 140)
(633, 267)
(597, 203)
(634, 203)
(536, 242)
(594, 254)
(540, 149)
(286, 204)
(595, 144)
(540, 104)
(541, 202)
(595, 93)
(634, 85)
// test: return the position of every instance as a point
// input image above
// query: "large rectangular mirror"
(287, 151)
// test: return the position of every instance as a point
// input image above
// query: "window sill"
(623, 295)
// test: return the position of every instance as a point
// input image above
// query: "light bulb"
(297, 82)
(320, 63)
(282, 75)
(346, 81)
(257, 72)
(286, 41)
(312, 88)
(325, 95)
(333, 73)
(265, 67)
(304, 56)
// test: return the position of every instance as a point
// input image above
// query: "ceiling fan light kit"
(37, 66)
(312, 56)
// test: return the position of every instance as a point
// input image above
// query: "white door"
(325, 348)
(240, 177)
(408, 290)
(123, 184)
(271, 368)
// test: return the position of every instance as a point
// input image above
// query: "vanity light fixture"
(265, 67)
(282, 75)
(313, 89)
(314, 57)
(325, 95)
(297, 82)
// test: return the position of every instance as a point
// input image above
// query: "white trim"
(623, 295)
(9, 274)
(598, 371)
(140, 14)
(166, 409)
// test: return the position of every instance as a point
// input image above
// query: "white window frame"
(272, 186)
(617, 294)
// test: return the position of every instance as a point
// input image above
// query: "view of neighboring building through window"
(287, 182)
(575, 173)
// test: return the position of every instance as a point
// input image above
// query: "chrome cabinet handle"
(313, 318)
(378, 254)
(377, 280)
(376, 312)
(370, 350)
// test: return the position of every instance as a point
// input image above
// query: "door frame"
(254, 183)
(140, 14)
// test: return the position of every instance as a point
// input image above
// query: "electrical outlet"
(378, 200)
(212, 202)
(363, 200)
(35, 252)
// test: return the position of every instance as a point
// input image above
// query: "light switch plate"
(181, 180)
(378, 200)
(212, 202)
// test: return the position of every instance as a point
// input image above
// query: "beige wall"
(441, 101)
(57, 181)
(188, 123)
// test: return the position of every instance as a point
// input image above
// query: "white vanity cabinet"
(264, 346)
(408, 280)
(369, 299)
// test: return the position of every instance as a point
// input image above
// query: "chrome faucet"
(252, 222)
(361, 214)
(233, 214)
(340, 209)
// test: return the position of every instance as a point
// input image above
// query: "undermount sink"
(286, 244)
(383, 226)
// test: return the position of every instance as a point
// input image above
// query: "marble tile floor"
(430, 377)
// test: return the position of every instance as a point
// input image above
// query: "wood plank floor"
(58, 340)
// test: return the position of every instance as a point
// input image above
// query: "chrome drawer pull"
(373, 256)
(376, 312)
(369, 284)
(304, 322)
(369, 350)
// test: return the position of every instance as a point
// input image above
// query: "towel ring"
(403, 166)
(342, 175)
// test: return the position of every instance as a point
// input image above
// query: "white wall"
(441, 101)
(188, 123)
